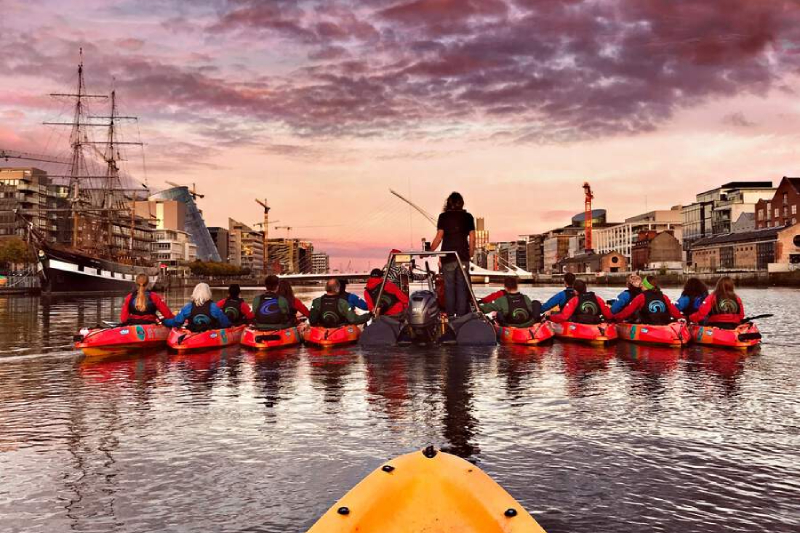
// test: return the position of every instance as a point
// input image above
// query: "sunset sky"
(321, 106)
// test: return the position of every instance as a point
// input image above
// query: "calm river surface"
(588, 440)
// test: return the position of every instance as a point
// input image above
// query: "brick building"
(756, 250)
(781, 209)
(593, 263)
(654, 250)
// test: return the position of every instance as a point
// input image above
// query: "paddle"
(757, 317)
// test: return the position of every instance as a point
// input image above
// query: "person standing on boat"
(692, 297)
(513, 308)
(393, 302)
(633, 290)
(331, 310)
(585, 308)
(723, 308)
(234, 307)
(455, 231)
(201, 313)
(141, 306)
(560, 299)
(651, 306)
(273, 311)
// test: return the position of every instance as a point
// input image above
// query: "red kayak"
(182, 339)
(107, 341)
(533, 335)
(272, 339)
(586, 333)
(743, 337)
(324, 337)
(675, 334)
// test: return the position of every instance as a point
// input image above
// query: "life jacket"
(633, 293)
(518, 310)
(388, 300)
(232, 307)
(268, 311)
(727, 306)
(570, 292)
(654, 310)
(330, 316)
(200, 318)
(142, 317)
(588, 310)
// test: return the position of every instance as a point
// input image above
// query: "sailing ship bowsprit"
(105, 244)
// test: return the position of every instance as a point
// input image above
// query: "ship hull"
(62, 271)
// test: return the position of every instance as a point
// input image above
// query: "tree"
(14, 251)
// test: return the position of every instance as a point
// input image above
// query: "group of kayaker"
(641, 302)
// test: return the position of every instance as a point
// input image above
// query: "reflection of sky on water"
(588, 439)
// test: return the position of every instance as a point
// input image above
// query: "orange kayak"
(533, 335)
(182, 339)
(107, 341)
(587, 333)
(743, 337)
(675, 334)
(272, 339)
(428, 491)
(323, 337)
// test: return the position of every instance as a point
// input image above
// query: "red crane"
(587, 189)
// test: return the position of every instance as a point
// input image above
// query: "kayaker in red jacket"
(285, 289)
(722, 308)
(394, 301)
(141, 305)
(235, 308)
(653, 306)
(585, 308)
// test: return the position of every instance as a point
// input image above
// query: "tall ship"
(100, 243)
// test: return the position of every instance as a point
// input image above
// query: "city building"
(168, 214)
(320, 263)
(220, 237)
(589, 263)
(781, 209)
(555, 248)
(534, 253)
(481, 233)
(714, 211)
(622, 237)
(31, 191)
(745, 222)
(245, 247)
(756, 250)
(174, 249)
(193, 221)
(290, 256)
(657, 250)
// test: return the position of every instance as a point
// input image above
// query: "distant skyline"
(322, 106)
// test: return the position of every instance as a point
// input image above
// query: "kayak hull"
(744, 337)
(183, 340)
(534, 335)
(417, 492)
(271, 340)
(675, 334)
(586, 333)
(325, 337)
(106, 341)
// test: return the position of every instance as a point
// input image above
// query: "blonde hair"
(141, 292)
(201, 293)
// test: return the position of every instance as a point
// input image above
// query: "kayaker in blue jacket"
(352, 299)
(625, 297)
(692, 297)
(560, 299)
(201, 313)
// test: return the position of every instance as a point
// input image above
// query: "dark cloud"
(537, 70)
(738, 120)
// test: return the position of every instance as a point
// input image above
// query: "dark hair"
(271, 283)
(376, 273)
(695, 288)
(343, 285)
(455, 202)
(511, 284)
(285, 290)
(569, 279)
(579, 286)
(652, 280)
(725, 289)
(234, 290)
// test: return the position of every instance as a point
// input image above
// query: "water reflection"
(582, 366)
(275, 374)
(459, 424)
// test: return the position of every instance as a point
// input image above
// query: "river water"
(624, 438)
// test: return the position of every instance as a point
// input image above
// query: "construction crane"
(265, 225)
(587, 216)
(192, 191)
(13, 154)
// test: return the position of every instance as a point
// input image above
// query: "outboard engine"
(423, 318)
